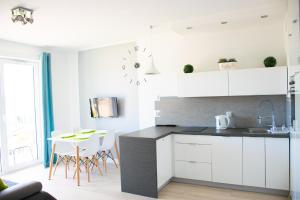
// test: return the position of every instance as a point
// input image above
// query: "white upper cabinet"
(203, 84)
(242, 82)
(259, 81)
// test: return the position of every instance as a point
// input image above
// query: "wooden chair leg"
(87, 168)
(117, 151)
(112, 157)
(104, 161)
(51, 160)
(66, 166)
(97, 165)
(74, 174)
(56, 164)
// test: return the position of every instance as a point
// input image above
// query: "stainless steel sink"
(258, 130)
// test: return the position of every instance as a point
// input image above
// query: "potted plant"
(270, 61)
(222, 63)
(188, 68)
(232, 63)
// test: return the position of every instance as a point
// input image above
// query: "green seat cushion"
(3, 186)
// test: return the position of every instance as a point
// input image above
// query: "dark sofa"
(24, 191)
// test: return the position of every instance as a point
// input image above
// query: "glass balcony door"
(19, 110)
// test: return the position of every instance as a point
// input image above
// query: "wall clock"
(130, 64)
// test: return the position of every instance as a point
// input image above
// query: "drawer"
(193, 170)
(193, 152)
(198, 139)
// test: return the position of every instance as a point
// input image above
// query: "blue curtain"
(47, 106)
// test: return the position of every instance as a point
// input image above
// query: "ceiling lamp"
(23, 15)
(152, 69)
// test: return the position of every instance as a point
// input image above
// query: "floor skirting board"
(231, 186)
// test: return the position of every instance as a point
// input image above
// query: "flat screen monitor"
(103, 107)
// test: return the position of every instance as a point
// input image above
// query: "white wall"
(101, 75)
(64, 66)
(171, 51)
(64, 79)
(18, 50)
(292, 33)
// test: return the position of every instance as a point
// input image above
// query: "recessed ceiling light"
(224, 22)
(264, 16)
(189, 28)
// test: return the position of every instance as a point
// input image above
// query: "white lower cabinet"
(254, 162)
(249, 161)
(164, 159)
(277, 163)
(193, 170)
(192, 159)
(192, 152)
(227, 160)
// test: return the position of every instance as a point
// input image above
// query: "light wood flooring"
(108, 187)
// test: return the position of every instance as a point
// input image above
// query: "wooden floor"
(178, 191)
(108, 187)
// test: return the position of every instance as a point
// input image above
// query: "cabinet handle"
(295, 21)
(192, 161)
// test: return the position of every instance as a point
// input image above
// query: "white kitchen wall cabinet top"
(203, 84)
(258, 81)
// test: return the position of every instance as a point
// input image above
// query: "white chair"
(88, 153)
(106, 147)
(62, 151)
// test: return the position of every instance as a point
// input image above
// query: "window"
(20, 114)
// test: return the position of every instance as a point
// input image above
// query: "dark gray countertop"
(158, 132)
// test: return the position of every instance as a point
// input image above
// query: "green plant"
(270, 61)
(223, 60)
(232, 60)
(188, 68)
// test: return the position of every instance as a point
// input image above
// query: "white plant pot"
(232, 65)
(222, 66)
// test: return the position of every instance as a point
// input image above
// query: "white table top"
(76, 140)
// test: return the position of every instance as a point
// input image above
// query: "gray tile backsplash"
(201, 111)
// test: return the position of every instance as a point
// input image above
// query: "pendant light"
(152, 69)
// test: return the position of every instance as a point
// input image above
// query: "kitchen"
(234, 129)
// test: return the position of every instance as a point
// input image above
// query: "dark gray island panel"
(138, 166)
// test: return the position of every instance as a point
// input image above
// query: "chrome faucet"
(260, 117)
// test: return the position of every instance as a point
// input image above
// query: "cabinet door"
(192, 152)
(164, 160)
(227, 160)
(254, 162)
(203, 84)
(277, 163)
(193, 170)
(260, 81)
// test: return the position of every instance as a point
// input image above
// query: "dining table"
(75, 139)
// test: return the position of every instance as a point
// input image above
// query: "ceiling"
(85, 24)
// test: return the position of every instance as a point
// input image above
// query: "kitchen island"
(231, 158)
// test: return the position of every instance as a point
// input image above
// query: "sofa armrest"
(21, 191)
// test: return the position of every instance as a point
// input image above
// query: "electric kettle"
(222, 121)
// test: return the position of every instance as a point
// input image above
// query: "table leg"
(51, 160)
(117, 151)
(77, 165)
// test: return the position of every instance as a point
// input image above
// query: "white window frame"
(4, 168)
